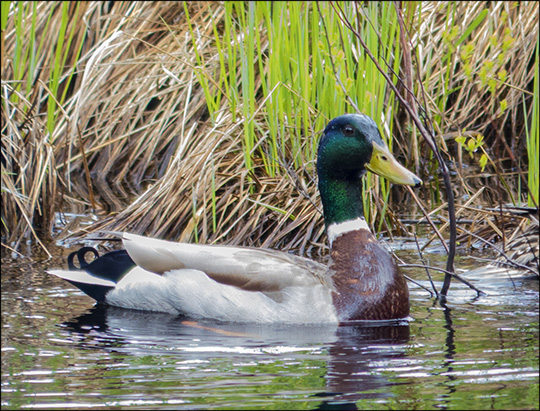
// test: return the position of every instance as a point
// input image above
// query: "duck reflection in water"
(355, 354)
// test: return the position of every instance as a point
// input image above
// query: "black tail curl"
(81, 257)
(111, 266)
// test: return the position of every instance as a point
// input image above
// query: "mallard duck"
(241, 284)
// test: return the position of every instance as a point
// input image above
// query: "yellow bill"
(384, 164)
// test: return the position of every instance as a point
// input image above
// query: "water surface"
(60, 352)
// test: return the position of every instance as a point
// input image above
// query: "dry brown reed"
(478, 84)
(476, 63)
(136, 120)
(138, 117)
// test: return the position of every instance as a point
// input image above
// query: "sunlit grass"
(285, 85)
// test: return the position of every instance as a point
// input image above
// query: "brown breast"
(369, 285)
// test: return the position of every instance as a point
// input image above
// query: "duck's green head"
(351, 145)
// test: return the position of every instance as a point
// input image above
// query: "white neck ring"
(336, 229)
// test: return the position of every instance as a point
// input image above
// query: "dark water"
(59, 352)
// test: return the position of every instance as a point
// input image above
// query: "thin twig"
(419, 285)
(428, 218)
(425, 265)
(446, 272)
(402, 264)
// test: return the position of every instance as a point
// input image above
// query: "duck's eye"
(348, 131)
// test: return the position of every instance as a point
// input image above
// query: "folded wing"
(246, 268)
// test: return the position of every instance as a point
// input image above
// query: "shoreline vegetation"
(199, 121)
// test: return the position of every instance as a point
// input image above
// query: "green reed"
(286, 68)
(51, 55)
(37, 69)
(533, 140)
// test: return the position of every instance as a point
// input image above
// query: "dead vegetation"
(134, 141)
